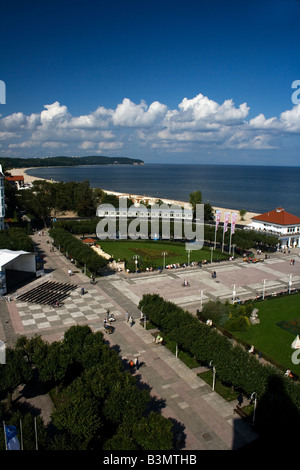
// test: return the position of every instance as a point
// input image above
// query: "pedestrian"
(127, 317)
(240, 399)
(82, 291)
(131, 364)
(130, 320)
(70, 272)
(137, 364)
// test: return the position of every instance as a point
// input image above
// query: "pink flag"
(233, 222)
(218, 217)
(226, 220)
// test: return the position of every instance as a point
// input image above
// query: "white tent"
(17, 260)
(296, 343)
(15, 265)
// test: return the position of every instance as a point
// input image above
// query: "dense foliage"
(16, 239)
(82, 254)
(279, 397)
(98, 404)
(234, 317)
(9, 163)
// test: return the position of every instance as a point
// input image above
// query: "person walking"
(127, 316)
(240, 399)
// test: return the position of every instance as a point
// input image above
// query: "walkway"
(205, 418)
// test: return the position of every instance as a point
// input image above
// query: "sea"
(253, 188)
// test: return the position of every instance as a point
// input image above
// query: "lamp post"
(290, 283)
(164, 253)
(189, 253)
(254, 397)
(201, 298)
(136, 258)
(233, 294)
(264, 286)
(214, 375)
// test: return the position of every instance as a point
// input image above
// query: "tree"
(208, 211)
(242, 213)
(39, 200)
(14, 372)
(195, 198)
(78, 414)
(84, 199)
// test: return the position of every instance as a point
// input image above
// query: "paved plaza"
(205, 418)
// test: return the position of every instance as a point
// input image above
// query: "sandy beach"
(135, 197)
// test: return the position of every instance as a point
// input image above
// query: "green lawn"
(268, 337)
(150, 252)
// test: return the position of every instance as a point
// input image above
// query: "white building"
(173, 212)
(280, 223)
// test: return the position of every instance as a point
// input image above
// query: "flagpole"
(215, 235)
(35, 430)
(21, 433)
(5, 435)
(218, 216)
(223, 239)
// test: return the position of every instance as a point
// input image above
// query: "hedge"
(75, 248)
(234, 365)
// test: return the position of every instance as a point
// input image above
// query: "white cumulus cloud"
(198, 121)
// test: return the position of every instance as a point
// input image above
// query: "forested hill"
(8, 163)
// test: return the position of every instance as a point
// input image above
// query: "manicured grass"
(226, 392)
(150, 252)
(267, 336)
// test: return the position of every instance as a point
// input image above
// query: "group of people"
(134, 364)
(129, 318)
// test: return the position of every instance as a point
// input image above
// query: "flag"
(226, 220)
(12, 442)
(218, 217)
(233, 222)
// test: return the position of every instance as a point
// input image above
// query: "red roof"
(279, 217)
(14, 178)
(89, 240)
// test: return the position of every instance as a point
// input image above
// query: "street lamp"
(189, 253)
(214, 374)
(136, 257)
(201, 298)
(264, 286)
(164, 253)
(290, 283)
(233, 294)
(214, 377)
(254, 397)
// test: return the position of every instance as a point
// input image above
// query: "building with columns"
(281, 223)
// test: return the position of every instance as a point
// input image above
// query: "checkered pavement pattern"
(89, 308)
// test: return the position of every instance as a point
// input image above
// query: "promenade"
(205, 419)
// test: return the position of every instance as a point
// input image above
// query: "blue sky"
(187, 81)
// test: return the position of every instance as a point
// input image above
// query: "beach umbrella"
(296, 343)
